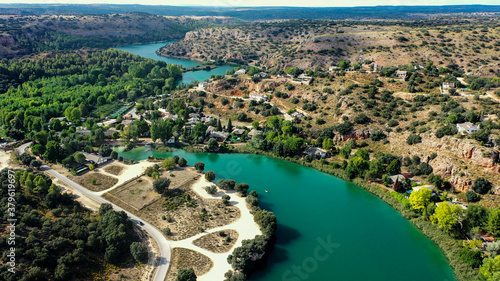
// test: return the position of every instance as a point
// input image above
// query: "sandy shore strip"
(245, 226)
(4, 159)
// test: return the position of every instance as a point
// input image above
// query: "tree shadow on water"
(286, 234)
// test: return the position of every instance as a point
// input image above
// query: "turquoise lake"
(149, 51)
(328, 229)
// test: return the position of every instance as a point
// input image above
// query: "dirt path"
(245, 226)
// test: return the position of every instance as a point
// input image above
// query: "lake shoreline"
(448, 246)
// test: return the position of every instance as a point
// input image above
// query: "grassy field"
(137, 193)
(94, 181)
(185, 258)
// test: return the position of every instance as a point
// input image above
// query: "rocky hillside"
(21, 35)
(471, 43)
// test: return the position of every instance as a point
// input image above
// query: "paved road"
(163, 244)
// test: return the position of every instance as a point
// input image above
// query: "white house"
(401, 74)
(258, 97)
(261, 75)
(467, 127)
(240, 72)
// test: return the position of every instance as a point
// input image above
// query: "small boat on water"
(266, 191)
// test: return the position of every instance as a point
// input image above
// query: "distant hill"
(257, 13)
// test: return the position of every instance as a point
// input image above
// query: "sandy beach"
(245, 226)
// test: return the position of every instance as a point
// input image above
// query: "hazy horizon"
(265, 3)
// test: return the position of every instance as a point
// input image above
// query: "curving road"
(163, 244)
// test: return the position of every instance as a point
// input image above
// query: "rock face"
(358, 134)
(456, 153)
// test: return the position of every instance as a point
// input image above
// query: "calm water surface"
(328, 229)
(149, 51)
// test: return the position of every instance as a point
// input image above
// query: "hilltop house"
(401, 74)
(240, 72)
(258, 97)
(467, 127)
(220, 136)
(238, 132)
(448, 85)
(303, 79)
(315, 152)
(261, 75)
(297, 114)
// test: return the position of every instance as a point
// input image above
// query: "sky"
(235, 3)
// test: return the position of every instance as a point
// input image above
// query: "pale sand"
(245, 225)
(4, 159)
(128, 172)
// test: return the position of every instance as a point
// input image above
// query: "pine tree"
(229, 126)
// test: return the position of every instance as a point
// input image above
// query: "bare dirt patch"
(185, 258)
(102, 181)
(218, 242)
(114, 169)
(138, 192)
(181, 210)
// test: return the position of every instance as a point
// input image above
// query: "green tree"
(182, 162)
(481, 186)
(186, 275)
(446, 216)
(494, 222)
(328, 144)
(345, 64)
(139, 251)
(476, 215)
(253, 70)
(161, 185)
(199, 166)
(169, 163)
(212, 145)
(229, 125)
(420, 199)
(394, 167)
(80, 157)
(472, 196)
(52, 151)
(490, 268)
(38, 149)
(345, 151)
(210, 175)
(413, 139)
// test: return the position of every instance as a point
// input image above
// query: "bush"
(481, 186)
(472, 196)
(182, 162)
(446, 131)
(139, 251)
(225, 199)
(377, 135)
(413, 139)
(392, 123)
(210, 175)
(161, 185)
(226, 184)
(211, 189)
(199, 166)
(361, 119)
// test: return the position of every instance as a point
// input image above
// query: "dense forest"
(56, 238)
(91, 84)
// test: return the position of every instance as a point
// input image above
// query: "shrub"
(182, 162)
(481, 186)
(226, 184)
(161, 185)
(377, 135)
(210, 175)
(211, 189)
(199, 166)
(225, 199)
(413, 139)
(472, 196)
